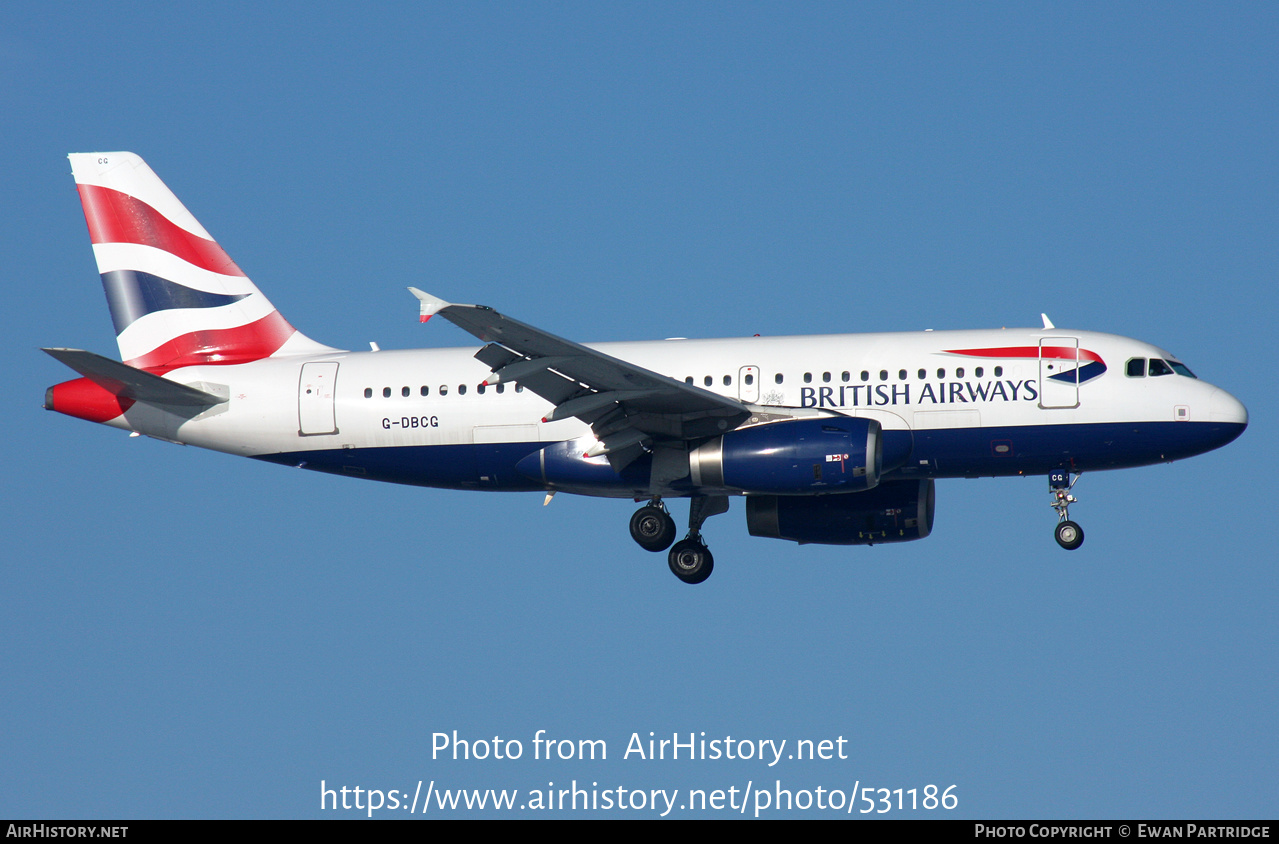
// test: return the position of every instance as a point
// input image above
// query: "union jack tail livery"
(176, 298)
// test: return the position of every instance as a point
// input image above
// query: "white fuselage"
(912, 383)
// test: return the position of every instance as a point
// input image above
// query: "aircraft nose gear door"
(1058, 372)
(315, 399)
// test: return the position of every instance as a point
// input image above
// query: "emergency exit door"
(315, 399)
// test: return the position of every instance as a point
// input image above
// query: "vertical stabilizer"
(176, 298)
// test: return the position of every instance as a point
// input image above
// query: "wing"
(627, 406)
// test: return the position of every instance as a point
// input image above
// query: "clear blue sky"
(186, 634)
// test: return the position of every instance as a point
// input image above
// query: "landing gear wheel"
(691, 561)
(653, 528)
(1069, 535)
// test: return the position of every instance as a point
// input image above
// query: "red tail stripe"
(116, 217)
(243, 344)
(1056, 352)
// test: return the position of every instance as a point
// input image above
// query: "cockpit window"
(1181, 368)
(1137, 368)
(1158, 367)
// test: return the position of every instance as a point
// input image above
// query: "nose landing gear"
(1068, 534)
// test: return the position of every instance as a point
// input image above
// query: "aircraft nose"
(1223, 407)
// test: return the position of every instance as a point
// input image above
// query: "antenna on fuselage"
(1047, 322)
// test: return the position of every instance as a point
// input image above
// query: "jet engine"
(800, 457)
(894, 511)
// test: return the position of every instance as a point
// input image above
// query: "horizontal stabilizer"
(125, 381)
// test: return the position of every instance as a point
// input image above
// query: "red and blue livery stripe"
(1090, 363)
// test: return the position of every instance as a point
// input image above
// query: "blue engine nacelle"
(894, 511)
(801, 457)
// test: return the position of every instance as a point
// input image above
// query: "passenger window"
(1136, 368)
(480, 389)
(404, 391)
(750, 379)
(501, 388)
(845, 375)
(865, 375)
(979, 372)
(941, 373)
(368, 392)
(426, 391)
(825, 377)
(883, 375)
(461, 389)
(923, 374)
(386, 392)
(999, 372)
(708, 380)
(901, 375)
(959, 373)
(1158, 367)
(519, 388)
(688, 379)
(444, 389)
(728, 380)
(777, 378)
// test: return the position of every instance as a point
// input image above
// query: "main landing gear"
(653, 528)
(1069, 535)
(690, 560)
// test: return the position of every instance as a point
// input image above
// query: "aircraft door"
(1058, 372)
(748, 384)
(315, 399)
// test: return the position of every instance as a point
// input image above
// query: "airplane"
(831, 439)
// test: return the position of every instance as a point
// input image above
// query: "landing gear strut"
(652, 526)
(690, 560)
(1069, 535)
